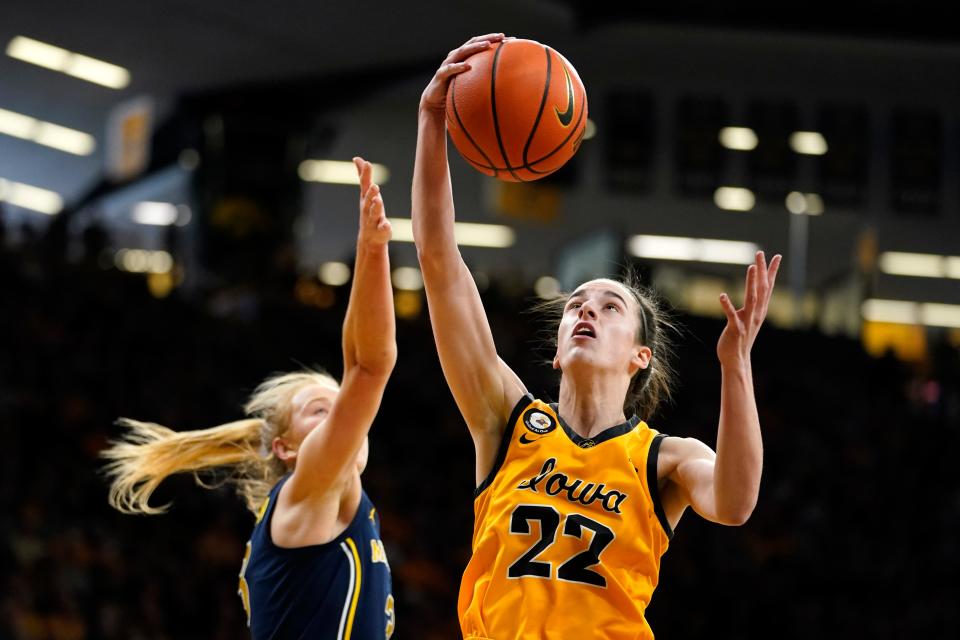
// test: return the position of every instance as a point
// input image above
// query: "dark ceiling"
(176, 47)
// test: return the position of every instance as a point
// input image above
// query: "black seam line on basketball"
(456, 113)
(543, 101)
(565, 140)
(519, 167)
(493, 106)
(483, 167)
(529, 165)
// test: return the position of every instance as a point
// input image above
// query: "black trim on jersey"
(654, 486)
(505, 438)
(603, 436)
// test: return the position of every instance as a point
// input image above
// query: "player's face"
(599, 329)
(311, 407)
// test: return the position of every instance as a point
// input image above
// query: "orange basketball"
(519, 113)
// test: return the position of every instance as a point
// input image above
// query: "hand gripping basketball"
(434, 97)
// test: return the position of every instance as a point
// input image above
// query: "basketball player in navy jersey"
(315, 566)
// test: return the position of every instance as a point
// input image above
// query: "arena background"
(173, 311)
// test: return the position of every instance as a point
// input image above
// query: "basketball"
(519, 113)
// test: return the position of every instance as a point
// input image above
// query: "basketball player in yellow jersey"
(576, 502)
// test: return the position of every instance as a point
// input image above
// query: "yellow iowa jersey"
(568, 533)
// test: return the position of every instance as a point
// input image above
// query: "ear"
(641, 359)
(556, 362)
(282, 449)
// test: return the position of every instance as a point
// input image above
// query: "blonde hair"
(149, 453)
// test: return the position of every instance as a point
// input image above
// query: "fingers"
(761, 263)
(774, 268)
(764, 278)
(364, 171)
(766, 275)
(376, 211)
(491, 37)
(451, 69)
(730, 311)
(472, 46)
(369, 198)
(750, 288)
(434, 95)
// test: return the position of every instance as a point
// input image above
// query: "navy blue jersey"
(339, 590)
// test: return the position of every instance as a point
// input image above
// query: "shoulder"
(675, 451)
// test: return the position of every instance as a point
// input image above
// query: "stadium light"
(468, 234)
(73, 64)
(811, 143)
(739, 138)
(923, 265)
(407, 279)
(334, 273)
(693, 249)
(155, 213)
(339, 172)
(810, 204)
(734, 198)
(48, 134)
(30, 197)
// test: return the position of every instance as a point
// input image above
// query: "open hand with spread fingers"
(743, 324)
(434, 97)
(374, 227)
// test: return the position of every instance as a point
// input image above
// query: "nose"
(586, 310)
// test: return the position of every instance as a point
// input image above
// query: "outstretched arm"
(369, 331)
(484, 388)
(723, 486)
(369, 354)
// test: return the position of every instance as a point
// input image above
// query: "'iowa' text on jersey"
(557, 483)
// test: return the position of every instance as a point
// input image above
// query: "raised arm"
(723, 487)
(484, 388)
(369, 354)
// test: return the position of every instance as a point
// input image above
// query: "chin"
(580, 363)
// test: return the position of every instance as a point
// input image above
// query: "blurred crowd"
(855, 533)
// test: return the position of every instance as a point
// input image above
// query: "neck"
(591, 403)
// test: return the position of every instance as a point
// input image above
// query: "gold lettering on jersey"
(575, 491)
(378, 553)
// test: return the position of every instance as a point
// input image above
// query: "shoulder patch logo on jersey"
(539, 422)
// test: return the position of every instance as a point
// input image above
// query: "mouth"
(583, 330)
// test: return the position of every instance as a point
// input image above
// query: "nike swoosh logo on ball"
(567, 116)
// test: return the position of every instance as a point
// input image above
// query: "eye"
(574, 305)
(320, 410)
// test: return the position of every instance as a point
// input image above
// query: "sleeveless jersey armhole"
(654, 486)
(271, 506)
(505, 438)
